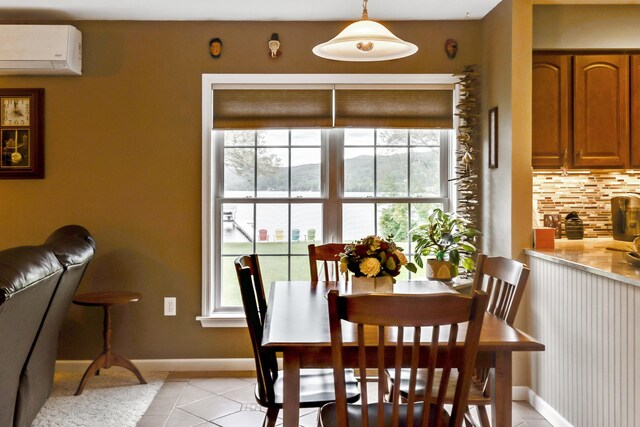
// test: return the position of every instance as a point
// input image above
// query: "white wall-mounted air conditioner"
(40, 49)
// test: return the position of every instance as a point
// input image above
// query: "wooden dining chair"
(328, 256)
(316, 385)
(383, 320)
(504, 280)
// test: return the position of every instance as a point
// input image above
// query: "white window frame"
(210, 317)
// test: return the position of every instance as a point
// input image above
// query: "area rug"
(112, 399)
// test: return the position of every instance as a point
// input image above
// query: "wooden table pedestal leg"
(501, 394)
(108, 358)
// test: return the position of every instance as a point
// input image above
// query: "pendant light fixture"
(365, 40)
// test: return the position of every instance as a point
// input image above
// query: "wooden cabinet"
(586, 114)
(635, 111)
(601, 111)
(551, 110)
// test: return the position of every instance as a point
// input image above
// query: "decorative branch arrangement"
(467, 134)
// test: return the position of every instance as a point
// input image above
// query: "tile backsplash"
(586, 192)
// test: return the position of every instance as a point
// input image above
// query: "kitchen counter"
(591, 255)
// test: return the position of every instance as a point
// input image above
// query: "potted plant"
(447, 240)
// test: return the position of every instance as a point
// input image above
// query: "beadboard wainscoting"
(590, 371)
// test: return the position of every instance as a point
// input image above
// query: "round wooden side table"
(108, 357)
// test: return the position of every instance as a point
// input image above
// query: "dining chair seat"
(476, 396)
(328, 416)
(316, 388)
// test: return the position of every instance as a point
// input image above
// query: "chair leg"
(271, 417)
(483, 416)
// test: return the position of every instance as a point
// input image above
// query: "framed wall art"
(21, 133)
(493, 138)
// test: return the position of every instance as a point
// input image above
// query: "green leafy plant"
(448, 237)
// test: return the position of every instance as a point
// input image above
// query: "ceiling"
(243, 10)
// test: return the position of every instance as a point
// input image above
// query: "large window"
(274, 191)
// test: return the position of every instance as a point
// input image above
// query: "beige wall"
(123, 159)
(586, 27)
(506, 191)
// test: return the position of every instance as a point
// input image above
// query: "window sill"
(223, 320)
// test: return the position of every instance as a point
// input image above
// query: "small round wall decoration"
(215, 47)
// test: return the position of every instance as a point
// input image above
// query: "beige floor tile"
(161, 406)
(244, 394)
(193, 394)
(171, 390)
(179, 418)
(537, 423)
(526, 411)
(241, 418)
(212, 407)
(152, 421)
(218, 385)
(309, 420)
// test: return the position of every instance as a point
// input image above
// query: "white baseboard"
(170, 365)
(546, 410)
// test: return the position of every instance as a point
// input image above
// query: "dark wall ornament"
(215, 47)
(451, 48)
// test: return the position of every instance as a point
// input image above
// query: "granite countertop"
(592, 255)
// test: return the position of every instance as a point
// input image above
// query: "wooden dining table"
(297, 324)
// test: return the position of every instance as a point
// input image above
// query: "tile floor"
(208, 399)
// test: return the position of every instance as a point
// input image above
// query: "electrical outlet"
(170, 306)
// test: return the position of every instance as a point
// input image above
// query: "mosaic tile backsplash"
(586, 192)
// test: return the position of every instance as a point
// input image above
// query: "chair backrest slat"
(391, 313)
(328, 255)
(504, 280)
(255, 309)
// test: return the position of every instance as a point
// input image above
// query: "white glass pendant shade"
(365, 41)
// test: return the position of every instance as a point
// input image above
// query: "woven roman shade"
(272, 108)
(394, 108)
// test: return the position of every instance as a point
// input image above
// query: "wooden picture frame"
(493, 138)
(21, 133)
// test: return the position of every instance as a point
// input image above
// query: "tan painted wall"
(506, 194)
(123, 159)
(586, 27)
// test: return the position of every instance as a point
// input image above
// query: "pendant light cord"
(365, 14)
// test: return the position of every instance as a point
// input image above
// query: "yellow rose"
(370, 267)
(401, 257)
(343, 265)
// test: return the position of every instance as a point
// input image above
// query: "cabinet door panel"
(601, 111)
(635, 110)
(551, 111)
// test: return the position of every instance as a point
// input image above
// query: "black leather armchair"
(28, 278)
(73, 247)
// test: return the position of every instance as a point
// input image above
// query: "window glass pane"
(305, 172)
(273, 137)
(273, 172)
(392, 172)
(230, 290)
(358, 172)
(392, 137)
(393, 220)
(306, 137)
(358, 221)
(425, 171)
(237, 229)
(358, 136)
(425, 137)
(273, 268)
(239, 172)
(300, 268)
(273, 232)
(420, 215)
(306, 226)
(239, 137)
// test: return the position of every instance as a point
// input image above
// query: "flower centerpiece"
(374, 256)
